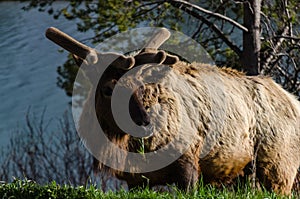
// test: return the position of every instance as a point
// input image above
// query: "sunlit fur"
(254, 117)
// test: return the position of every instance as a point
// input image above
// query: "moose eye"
(108, 88)
(107, 91)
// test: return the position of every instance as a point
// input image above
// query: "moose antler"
(82, 52)
(71, 45)
(157, 39)
(150, 54)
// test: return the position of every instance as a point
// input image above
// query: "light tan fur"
(249, 114)
(226, 119)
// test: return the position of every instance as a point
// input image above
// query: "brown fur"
(259, 116)
(255, 119)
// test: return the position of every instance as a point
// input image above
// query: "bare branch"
(212, 26)
(288, 37)
(268, 60)
(285, 74)
(208, 12)
(287, 12)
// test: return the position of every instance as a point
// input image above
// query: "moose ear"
(150, 57)
(160, 57)
(120, 61)
(171, 59)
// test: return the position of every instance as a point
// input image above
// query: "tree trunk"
(251, 40)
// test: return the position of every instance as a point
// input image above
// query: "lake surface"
(28, 66)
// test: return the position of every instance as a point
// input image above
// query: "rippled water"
(28, 66)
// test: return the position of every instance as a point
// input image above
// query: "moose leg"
(132, 186)
(186, 174)
(277, 172)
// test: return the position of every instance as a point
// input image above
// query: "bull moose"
(260, 121)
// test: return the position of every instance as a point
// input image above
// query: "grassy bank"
(29, 189)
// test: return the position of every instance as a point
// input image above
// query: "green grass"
(28, 189)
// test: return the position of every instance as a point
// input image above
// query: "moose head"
(118, 65)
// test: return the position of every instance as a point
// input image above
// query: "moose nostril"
(146, 121)
(140, 123)
(143, 122)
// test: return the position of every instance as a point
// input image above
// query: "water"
(28, 66)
